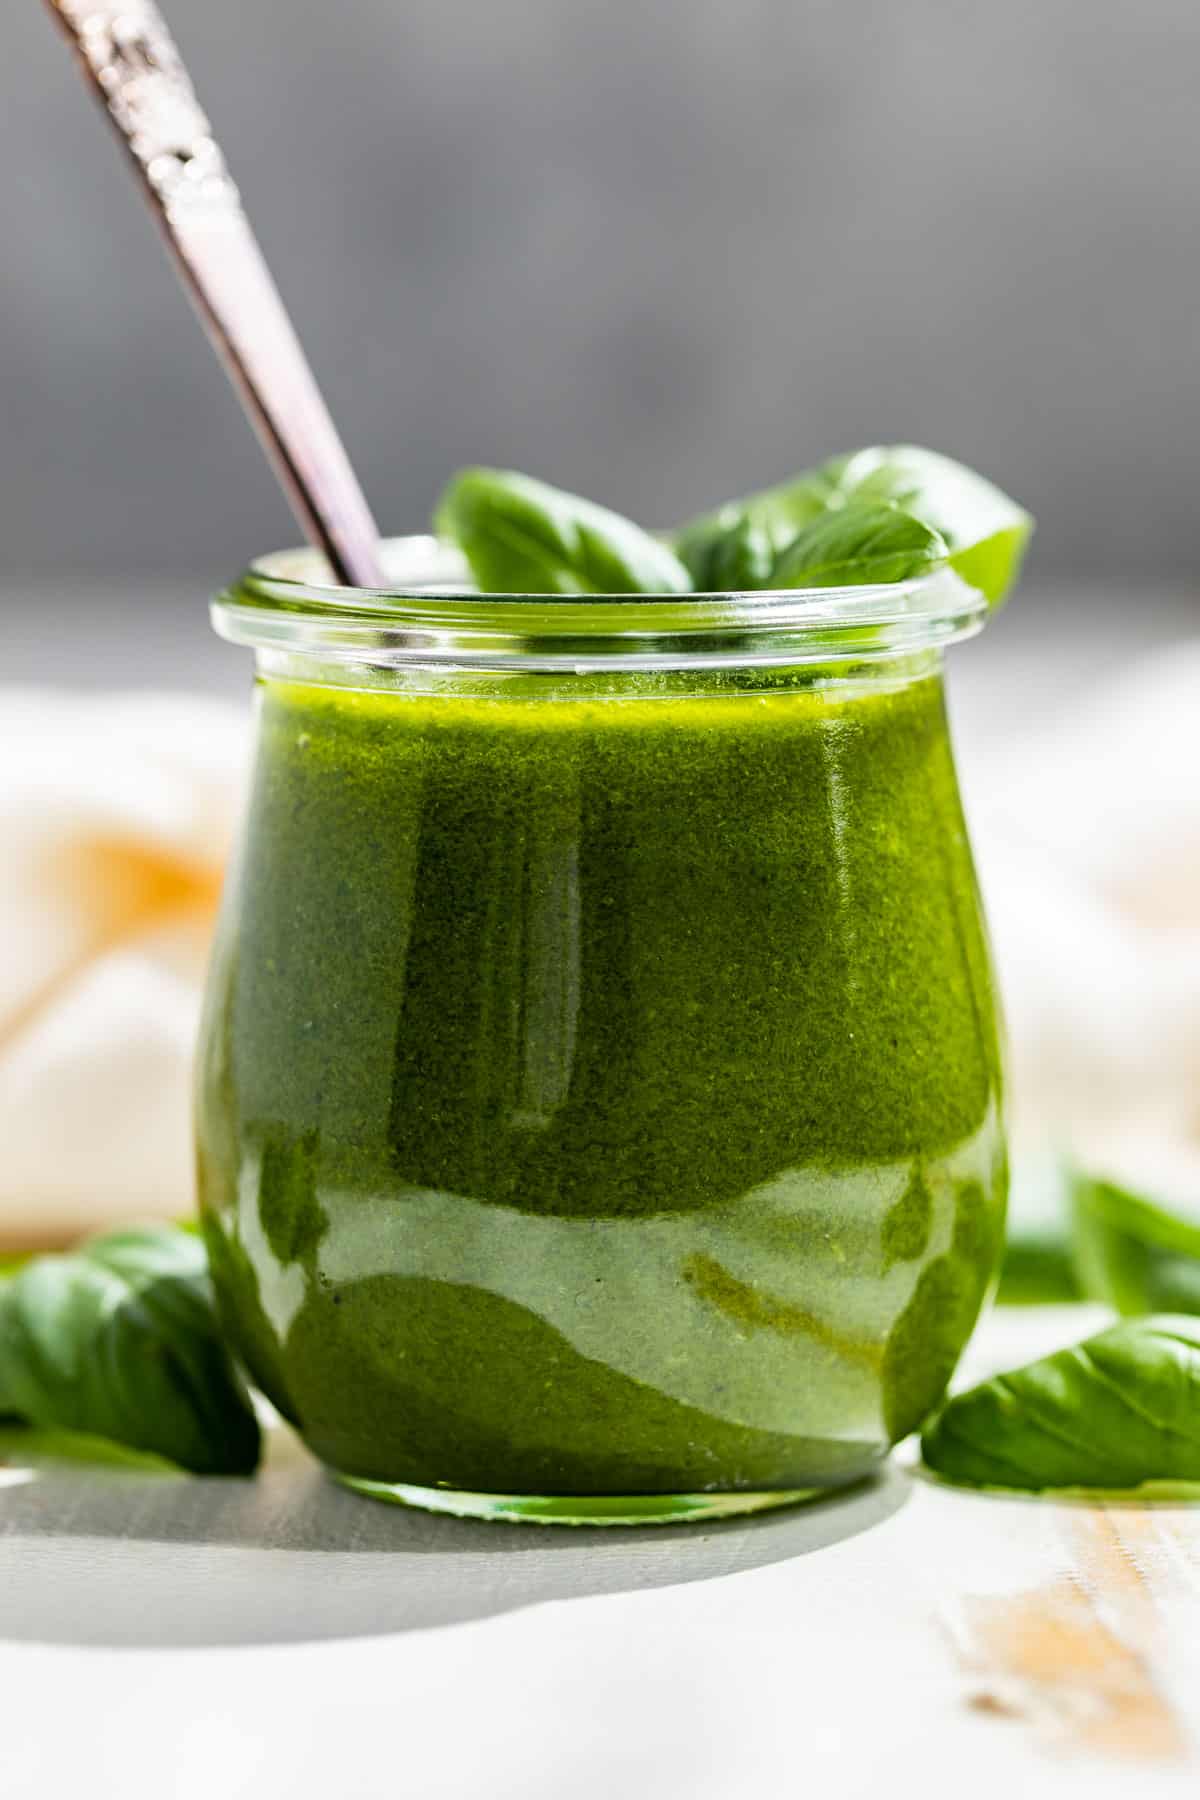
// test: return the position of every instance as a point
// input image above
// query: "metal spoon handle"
(130, 59)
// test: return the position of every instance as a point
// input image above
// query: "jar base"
(577, 1509)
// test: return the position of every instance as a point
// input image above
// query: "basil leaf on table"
(522, 536)
(1112, 1413)
(10, 1262)
(986, 532)
(1039, 1266)
(856, 545)
(1135, 1253)
(120, 1340)
(48, 1447)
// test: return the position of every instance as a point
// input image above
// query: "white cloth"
(116, 815)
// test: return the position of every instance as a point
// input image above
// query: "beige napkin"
(117, 813)
(115, 817)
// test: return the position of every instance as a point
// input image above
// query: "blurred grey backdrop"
(656, 250)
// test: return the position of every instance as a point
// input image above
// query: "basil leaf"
(1039, 1252)
(521, 536)
(10, 1262)
(737, 559)
(859, 544)
(120, 1340)
(1038, 1270)
(1118, 1410)
(770, 519)
(1136, 1254)
(32, 1447)
(986, 532)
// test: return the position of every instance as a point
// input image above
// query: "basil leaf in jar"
(738, 559)
(1111, 1414)
(770, 520)
(522, 536)
(856, 545)
(120, 1340)
(986, 532)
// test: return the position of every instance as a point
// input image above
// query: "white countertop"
(281, 1637)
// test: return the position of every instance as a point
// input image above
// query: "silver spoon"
(129, 57)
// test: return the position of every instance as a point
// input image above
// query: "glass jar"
(599, 1097)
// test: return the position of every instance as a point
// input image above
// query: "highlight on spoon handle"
(130, 59)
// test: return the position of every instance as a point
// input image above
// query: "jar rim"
(430, 615)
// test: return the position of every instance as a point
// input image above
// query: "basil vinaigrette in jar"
(599, 1100)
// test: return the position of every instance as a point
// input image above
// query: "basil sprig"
(120, 1340)
(985, 532)
(1117, 1411)
(879, 515)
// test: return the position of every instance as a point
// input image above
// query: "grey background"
(657, 250)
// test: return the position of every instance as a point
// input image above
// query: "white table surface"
(174, 1638)
(280, 1637)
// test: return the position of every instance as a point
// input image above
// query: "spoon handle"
(129, 57)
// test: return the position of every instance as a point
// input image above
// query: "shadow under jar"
(599, 1097)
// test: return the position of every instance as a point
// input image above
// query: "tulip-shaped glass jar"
(599, 1097)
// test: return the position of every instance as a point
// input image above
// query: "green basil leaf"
(32, 1447)
(120, 1340)
(1116, 1411)
(986, 532)
(1039, 1253)
(770, 519)
(521, 536)
(10, 1262)
(739, 558)
(1136, 1253)
(859, 544)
